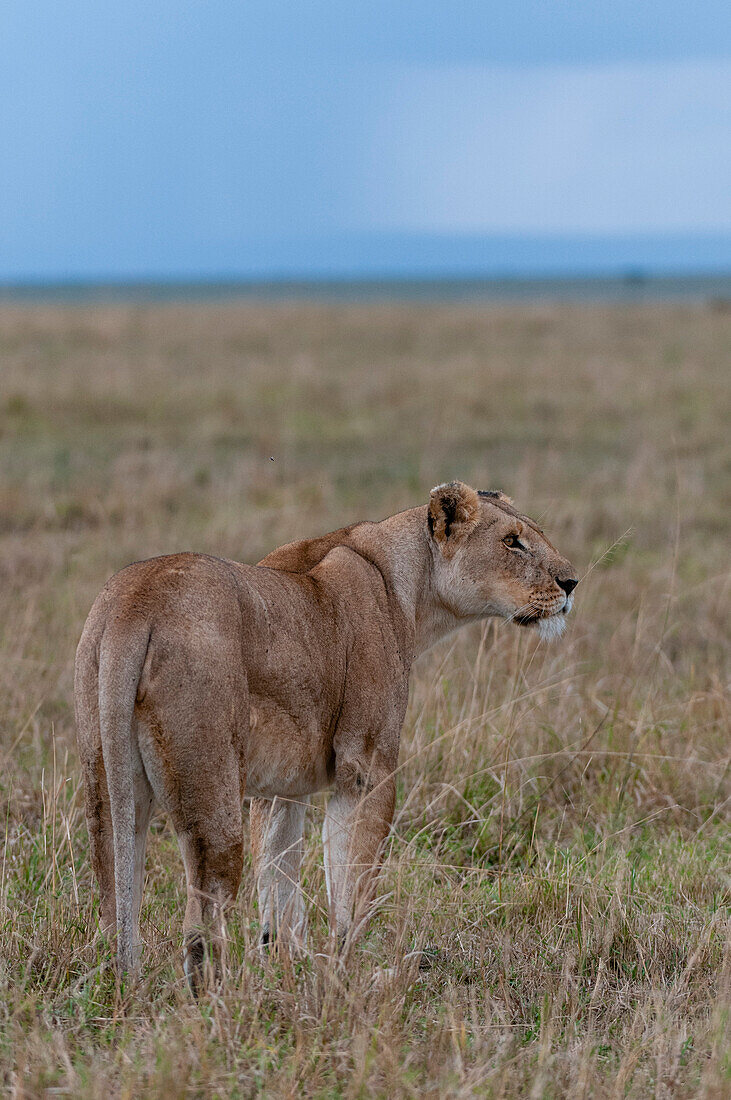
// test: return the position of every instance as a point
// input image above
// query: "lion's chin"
(551, 628)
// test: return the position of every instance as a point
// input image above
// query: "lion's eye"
(514, 543)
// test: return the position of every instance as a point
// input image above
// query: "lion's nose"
(568, 586)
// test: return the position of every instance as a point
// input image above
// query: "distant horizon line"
(632, 285)
(632, 273)
(630, 269)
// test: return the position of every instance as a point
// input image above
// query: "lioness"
(201, 682)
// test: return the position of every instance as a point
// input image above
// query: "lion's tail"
(121, 658)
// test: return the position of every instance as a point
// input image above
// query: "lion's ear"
(454, 510)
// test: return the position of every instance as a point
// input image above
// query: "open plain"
(561, 843)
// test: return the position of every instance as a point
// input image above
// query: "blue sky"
(197, 140)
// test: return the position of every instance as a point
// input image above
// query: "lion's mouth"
(528, 620)
(550, 624)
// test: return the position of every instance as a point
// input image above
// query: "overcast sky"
(240, 138)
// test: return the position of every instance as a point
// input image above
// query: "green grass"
(561, 845)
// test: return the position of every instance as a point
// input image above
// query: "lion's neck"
(399, 547)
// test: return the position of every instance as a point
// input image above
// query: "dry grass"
(562, 830)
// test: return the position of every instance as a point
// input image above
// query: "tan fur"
(200, 682)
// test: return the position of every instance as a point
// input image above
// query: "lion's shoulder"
(303, 555)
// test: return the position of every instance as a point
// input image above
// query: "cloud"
(618, 148)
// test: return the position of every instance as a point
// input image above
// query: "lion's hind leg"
(192, 729)
(213, 873)
(204, 804)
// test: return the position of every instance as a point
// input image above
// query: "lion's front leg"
(356, 825)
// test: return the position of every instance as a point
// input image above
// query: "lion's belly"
(286, 756)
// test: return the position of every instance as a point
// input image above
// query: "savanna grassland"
(561, 839)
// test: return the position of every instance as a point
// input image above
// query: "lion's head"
(491, 560)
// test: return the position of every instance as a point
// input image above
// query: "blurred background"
(274, 140)
(270, 268)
